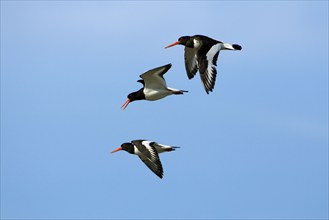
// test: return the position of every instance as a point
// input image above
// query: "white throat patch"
(196, 43)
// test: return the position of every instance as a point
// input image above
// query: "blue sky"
(257, 147)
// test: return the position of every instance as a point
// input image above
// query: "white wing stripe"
(212, 52)
(210, 56)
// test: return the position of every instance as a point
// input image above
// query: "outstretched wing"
(191, 62)
(154, 78)
(148, 154)
(207, 68)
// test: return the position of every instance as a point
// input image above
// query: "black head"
(184, 40)
(126, 147)
(138, 95)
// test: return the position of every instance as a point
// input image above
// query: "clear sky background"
(257, 147)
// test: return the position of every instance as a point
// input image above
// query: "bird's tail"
(179, 92)
(172, 148)
(227, 46)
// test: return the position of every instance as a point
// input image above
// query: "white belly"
(153, 95)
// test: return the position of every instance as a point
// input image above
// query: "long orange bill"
(125, 104)
(173, 44)
(120, 148)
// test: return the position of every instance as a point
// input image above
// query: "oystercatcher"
(201, 53)
(148, 152)
(154, 86)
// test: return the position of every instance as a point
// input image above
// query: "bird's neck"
(130, 148)
(138, 95)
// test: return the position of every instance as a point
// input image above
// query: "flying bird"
(148, 152)
(201, 53)
(154, 86)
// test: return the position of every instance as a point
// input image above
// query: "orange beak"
(120, 148)
(173, 44)
(125, 104)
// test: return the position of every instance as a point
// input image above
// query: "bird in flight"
(154, 86)
(148, 152)
(201, 53)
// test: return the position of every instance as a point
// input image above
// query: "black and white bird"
(154, 86)
(201, 53)
(148, 152)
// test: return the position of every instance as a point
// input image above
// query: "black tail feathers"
(179, 92)
(236, 46)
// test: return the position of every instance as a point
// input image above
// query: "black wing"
(207, 58)
(149, 156)
(208, 73)
(191, 62)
